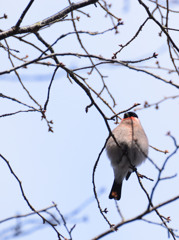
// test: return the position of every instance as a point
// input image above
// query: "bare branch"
(158, 23)
(136, 218)
(26, 199)
(50, 20)
(23, 14)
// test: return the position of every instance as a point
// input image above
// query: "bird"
(126, 148)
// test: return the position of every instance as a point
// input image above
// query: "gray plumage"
(130, 150)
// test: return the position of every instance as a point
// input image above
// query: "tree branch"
(50, 20)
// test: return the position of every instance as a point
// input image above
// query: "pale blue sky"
(58, 166)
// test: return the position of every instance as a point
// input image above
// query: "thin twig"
(27, 201)
(23, 14)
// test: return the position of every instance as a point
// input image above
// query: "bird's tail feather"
(116, 190)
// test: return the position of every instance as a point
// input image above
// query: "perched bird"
(128, 150)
